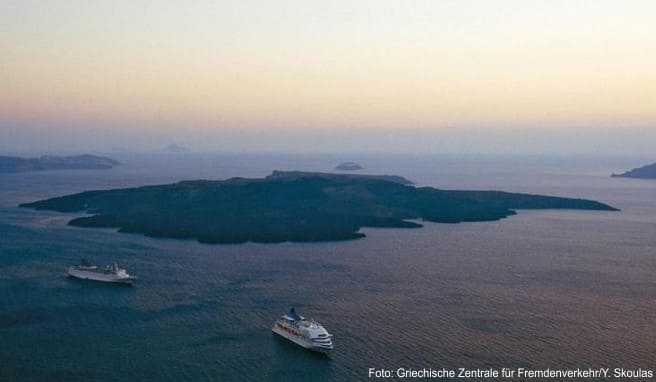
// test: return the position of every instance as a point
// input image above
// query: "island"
(349, 166)
(645, 172)
(291, 206)
(174, 148)
(50, 162)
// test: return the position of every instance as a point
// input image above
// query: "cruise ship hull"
(301, 341)
(101, 277)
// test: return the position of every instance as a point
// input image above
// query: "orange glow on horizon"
(427, 66)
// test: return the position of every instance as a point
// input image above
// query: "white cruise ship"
(306, 333)
(109, 274)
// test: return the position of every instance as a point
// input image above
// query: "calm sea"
(559, 289)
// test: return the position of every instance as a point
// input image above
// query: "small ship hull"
(301, 341)
(100, 277)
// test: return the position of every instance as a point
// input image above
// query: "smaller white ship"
(109, 274)
(306, 333)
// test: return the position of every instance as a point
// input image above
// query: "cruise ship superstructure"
(306, 333)
(109, 274)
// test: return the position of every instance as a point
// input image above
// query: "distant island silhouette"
(349, 166)
(51, 162)
(644, 172)
(291, 206)
(175, 148)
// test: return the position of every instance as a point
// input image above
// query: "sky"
(371, 75)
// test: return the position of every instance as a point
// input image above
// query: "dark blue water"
(552, 289)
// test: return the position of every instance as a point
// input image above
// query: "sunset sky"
(139, 73)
